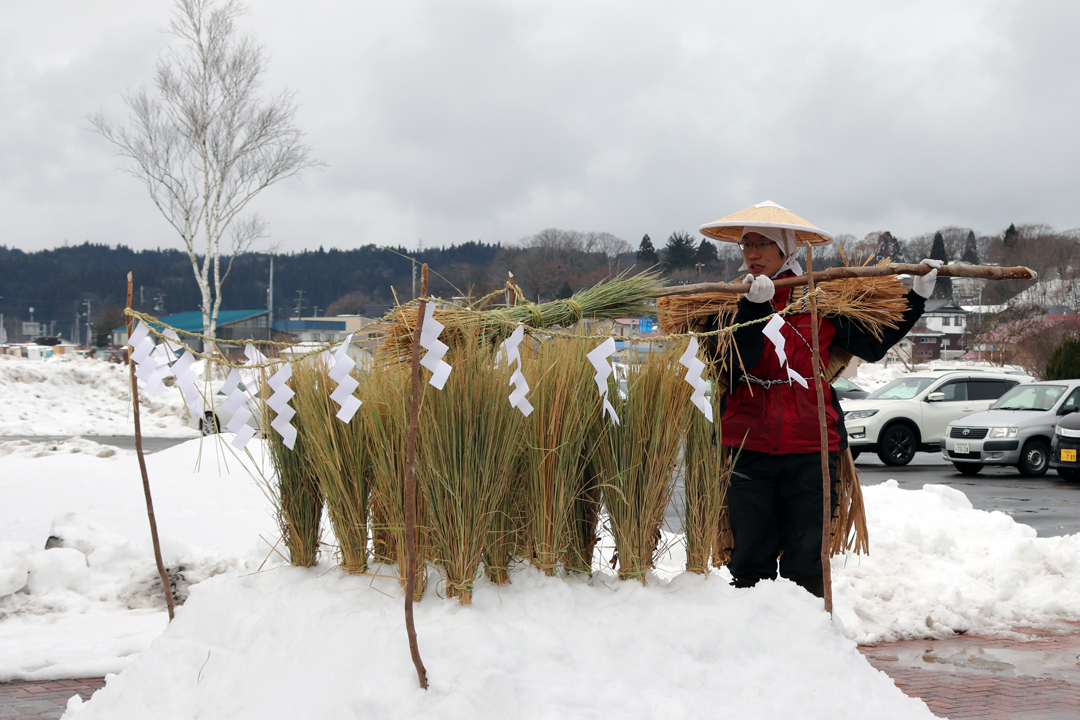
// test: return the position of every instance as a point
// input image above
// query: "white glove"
(761, 288)
(924, 284)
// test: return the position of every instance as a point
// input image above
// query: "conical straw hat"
(766, 214)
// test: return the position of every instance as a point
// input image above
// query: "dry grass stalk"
(638, 456)
(705, 484)
(622, 296)
(298, 501)
(467, 446)
(849, 531)
(385, 419)
(557, 471)
(339, 458)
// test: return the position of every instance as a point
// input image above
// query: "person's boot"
(813, 585)
(744, 582)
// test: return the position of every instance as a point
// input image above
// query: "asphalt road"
(150, 444)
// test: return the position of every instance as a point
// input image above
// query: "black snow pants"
(774, 503)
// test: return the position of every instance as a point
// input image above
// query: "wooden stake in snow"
(162, 572)
(410, 486)
(826, 480)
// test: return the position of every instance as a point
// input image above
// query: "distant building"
(231, 325)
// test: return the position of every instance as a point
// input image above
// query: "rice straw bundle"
(339, 459)
(467, 444)
(622, 296)
(298, 502)
(873, 302)
(385, 420)
(705, 483)
(557, 471)
(848, 531)
(638, 456)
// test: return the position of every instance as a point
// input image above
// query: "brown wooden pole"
(826, 480)
(410, 487)
(162, 572)
(984, 272)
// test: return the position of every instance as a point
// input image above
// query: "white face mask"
(785, 239)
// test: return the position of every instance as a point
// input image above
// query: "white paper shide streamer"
(340, 369)
(694, 368)
(279, 403)
(436, 349)
(599, 359)
(240, 397)
(151, 360)
(521, 388)
(772, 331)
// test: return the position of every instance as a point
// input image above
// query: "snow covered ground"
(257, 638)
(66, 395)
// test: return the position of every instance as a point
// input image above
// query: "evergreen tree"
(679, 251)
(565, 291)
(937, 250)
(943, 286)
(889, 247)
(971, 249)
(1064, 361)
(1011, 236)
(706, 253)
(646, 253)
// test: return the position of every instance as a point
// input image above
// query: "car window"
(901, 389)
(842, 383)
(1030, 397)
(986, 389)
(1074, 398)
(954, 391)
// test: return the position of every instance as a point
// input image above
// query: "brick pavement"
(42, 700)
(1033, 676)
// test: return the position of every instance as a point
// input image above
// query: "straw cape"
(765, 214)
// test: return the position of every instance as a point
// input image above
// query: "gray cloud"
(492, 120)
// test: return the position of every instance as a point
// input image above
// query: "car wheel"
(1068, 474)
(968, 468)
(855, 454)
(1034, 458)
(897, 445)
(209, 424)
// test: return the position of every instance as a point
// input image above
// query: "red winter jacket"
(782, 418)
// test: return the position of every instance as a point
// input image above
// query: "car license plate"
(961, 449)
(1068, 455)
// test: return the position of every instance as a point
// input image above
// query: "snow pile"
(937, 567)
(307, 643)
(65, 395)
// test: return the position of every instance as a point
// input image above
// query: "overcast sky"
(454, 121)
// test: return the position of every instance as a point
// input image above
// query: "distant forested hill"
(56, 283)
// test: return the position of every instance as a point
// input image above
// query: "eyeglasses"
(761, 245)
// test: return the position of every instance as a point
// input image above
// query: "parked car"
(1064, 447)
(1016, 430)
(910, 414)
(215, 419)
(847, 390)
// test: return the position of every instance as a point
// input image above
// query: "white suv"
(911, 413)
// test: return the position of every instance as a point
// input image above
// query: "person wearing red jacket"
(770, 415)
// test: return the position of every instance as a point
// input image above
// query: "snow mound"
(312, 643)
(68, 446)
(65, 395)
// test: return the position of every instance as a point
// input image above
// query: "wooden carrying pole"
(162, 572)
(968, 271)
(410, 486)
(826, 479)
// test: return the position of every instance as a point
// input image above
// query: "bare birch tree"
(208, 143)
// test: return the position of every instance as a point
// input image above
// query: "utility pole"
(315, 311)
(299, 302)
(88, 336)
(270, 291)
